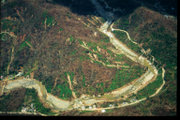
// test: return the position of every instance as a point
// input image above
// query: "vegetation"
(123, 38)
(48, 20)
(83, 81)
(83, 58)
(49, 84)
(7, 25)
(31, 97)
(24, 44)
(124, 76)
(122, 23)
(151, 88)
(80, 42)
(54, 56)
(65, 92)
(119, 57)
(3, 102)
(105, 38)
(160, 35)
(61, 29)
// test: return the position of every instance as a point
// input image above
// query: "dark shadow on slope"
(163, 6)
(126, 7)
(85, 7)
(82, 7)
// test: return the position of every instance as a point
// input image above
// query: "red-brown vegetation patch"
(95, 73)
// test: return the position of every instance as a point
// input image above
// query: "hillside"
(159, 33)
(62, 48)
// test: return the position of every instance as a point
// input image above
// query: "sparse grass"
(48, 83)
(24, 44)
(119, 57)
(101, 57)
(3, 102)
(65, 92)
(8, 25)
(123, 38)
(97, 62)
(151, 88)
(84, 57)
(73, 52)
(85, 111)
(30, 68)
(48, 20)
(31, 96)
(124, 76)
(122, 23)
(92, 44)
(63, 89)
(4, 37)
(80, 42)
(72, 39)
(110, 52)
(61, 29)
(120, 35)
(83, 81)
(105, 39)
